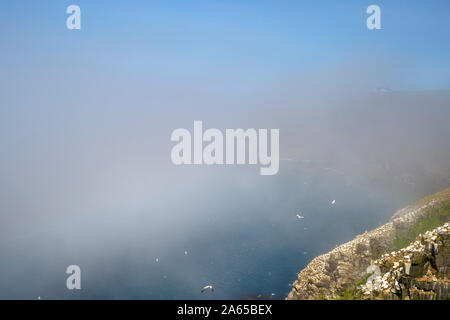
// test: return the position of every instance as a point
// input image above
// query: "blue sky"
(246, 39)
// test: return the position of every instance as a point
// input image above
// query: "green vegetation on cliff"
(435, 217)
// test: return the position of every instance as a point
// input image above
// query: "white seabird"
(208, 287)
(299, 216)
(333, 202)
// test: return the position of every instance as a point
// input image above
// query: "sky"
(217, 40)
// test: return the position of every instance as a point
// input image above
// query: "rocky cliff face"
(341, 273)
(420, 271)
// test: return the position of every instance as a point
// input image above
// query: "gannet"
(208, 287)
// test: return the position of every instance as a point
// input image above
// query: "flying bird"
(299, 216)
(208, 287)
(333, 202)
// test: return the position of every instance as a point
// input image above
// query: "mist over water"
(239, 229)
(247, 241)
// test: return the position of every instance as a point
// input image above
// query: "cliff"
(419, 272)
(343, 273)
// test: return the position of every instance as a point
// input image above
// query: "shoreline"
(328, 274)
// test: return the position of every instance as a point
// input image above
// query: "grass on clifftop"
(434, 218)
